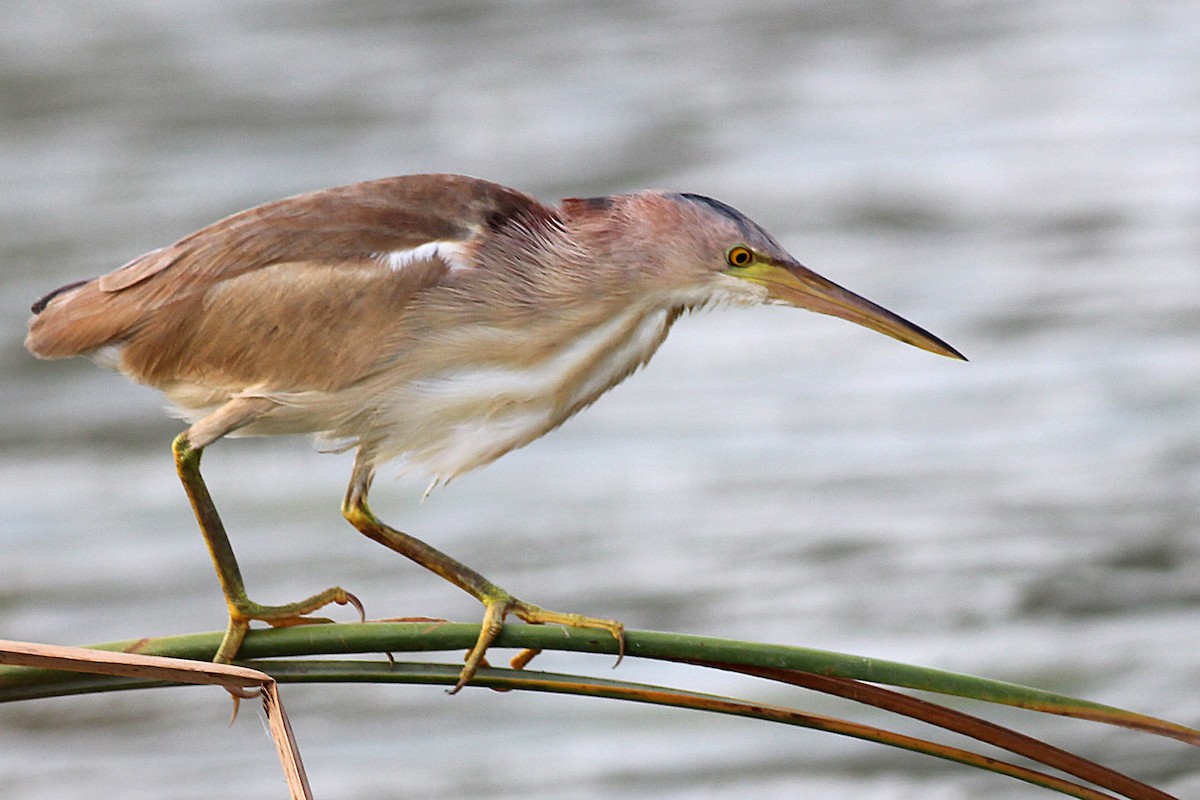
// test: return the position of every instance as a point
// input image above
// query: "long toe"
(493, 622)
(245, 611)
(540, 616)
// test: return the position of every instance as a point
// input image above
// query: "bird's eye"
(739, 256)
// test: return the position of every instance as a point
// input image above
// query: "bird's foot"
(243, 611)
(500, 606)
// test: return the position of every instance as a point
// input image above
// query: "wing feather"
(293, 293)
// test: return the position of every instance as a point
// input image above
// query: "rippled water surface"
(1024, 180)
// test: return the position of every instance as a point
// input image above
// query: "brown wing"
(290, 292)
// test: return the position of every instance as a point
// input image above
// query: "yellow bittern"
(440, 319)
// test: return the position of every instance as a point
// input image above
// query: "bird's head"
(702, 246)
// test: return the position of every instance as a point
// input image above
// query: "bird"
(435, 320)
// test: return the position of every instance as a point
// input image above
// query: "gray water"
(1022, 179)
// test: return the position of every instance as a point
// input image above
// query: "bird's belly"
(475, 439)
(455, 421)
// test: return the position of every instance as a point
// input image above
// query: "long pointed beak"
(799, 286)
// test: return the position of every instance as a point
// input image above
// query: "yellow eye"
(739, 256)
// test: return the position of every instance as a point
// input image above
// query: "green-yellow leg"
(497, 602)
(241, 608)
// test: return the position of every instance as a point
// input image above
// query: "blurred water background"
(1022, 179)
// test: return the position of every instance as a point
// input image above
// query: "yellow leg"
(497, 602)
(242, 610)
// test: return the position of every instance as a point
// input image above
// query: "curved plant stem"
(426, 635)
(849, 676)
(323, 671)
